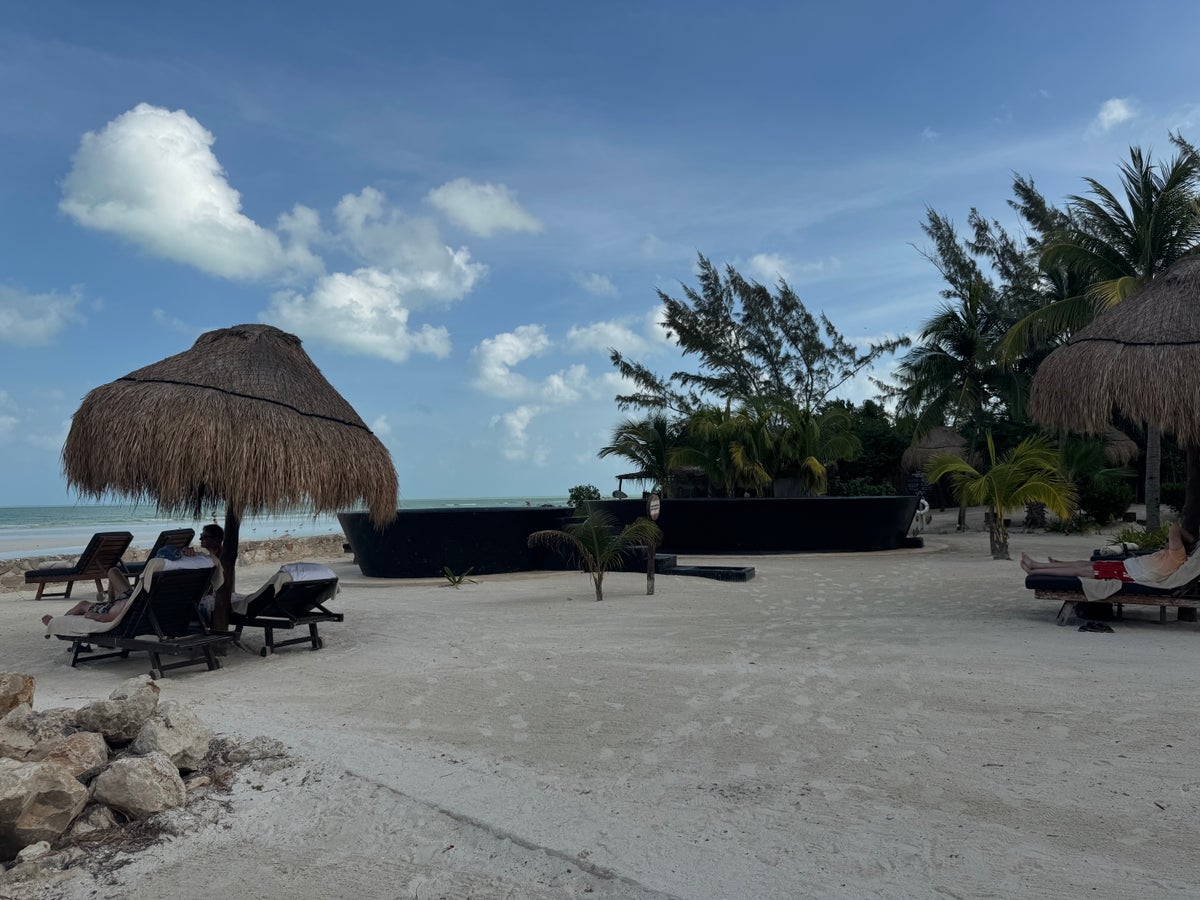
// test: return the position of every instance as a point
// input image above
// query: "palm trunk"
(1153, 475)
(229, 552)
(598, 581)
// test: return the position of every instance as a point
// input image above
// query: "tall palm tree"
(597, 545)
(1028, 473)
(1117, 247)
(649, 444)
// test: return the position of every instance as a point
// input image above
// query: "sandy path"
(872, 725)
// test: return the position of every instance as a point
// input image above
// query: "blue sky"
(459, 207)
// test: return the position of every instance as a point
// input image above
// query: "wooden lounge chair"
(103, 552)
(172, 537)
(283, 603)
(161, 619)
(1180, 590)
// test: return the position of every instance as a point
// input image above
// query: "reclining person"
(1148, 570)
(114, 607)
(212, 536)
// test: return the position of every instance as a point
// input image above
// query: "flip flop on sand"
(1097, 627)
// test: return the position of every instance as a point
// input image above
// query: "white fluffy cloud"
(495, 357)
(482, 209)
(362, 312)
(150, 177)
(516, 444)
(35, 319)
(631, 337)
(406, 267)
(1112, 113)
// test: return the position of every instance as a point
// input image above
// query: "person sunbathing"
(1143, 569)
(212, 536)
(114, 607)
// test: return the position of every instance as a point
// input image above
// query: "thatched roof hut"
(1119, 448)
(935, 442)
(244, 419)
(1141, 357)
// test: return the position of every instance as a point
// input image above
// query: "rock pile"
(72, 776)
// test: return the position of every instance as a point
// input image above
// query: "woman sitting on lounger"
(1145, 569)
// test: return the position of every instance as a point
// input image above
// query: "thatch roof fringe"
(1142, 357)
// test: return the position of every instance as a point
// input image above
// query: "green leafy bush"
(1146, 540)
(581, 493)
(860, 487)
(1105, 499)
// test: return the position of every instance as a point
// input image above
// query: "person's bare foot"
(46, 619)
(1027, 562)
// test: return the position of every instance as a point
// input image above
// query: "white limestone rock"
(15, 689)
(38, 800)
(140, 786)
(178, 732)
(83, 754)
(121, 716)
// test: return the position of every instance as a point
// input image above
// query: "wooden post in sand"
(652, 509)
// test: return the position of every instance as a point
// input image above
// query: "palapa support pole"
(229, 552)
(1190, 516)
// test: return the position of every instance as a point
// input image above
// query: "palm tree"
(597, 545)
(1028, 473)
(805, 443)
(1118, 248)
(731, 446)
(649, 444)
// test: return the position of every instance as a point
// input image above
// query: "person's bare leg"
(117, 583)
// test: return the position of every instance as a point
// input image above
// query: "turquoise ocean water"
(65, 530)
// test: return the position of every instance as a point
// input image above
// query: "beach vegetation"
(1118, 245)
(458, 579)
(578, 496)
(1028, 473)
(649, 444)
(596, 544)
(749, 343)
(1141, 537)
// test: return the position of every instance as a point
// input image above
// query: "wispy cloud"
(1112, 113)
(36, 319)
(595, 283)
(482, 209)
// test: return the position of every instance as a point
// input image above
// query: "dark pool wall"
(420, 542)
(777, 523)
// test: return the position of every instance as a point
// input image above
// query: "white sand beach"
(900, 724)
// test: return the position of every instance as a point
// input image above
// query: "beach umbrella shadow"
(243, 419)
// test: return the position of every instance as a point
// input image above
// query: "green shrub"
(860, 487)
(1105, 499)
(581, 493)
(1172, 494)
(1146, 540)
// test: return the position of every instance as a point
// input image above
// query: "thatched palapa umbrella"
(1119, 448)
(938, 441)
(1142, 357)
(243, 418)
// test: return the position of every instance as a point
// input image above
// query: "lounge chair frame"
(1068, 590)
(297, 604)
(102, 553)
(172, 537)
(168, 610)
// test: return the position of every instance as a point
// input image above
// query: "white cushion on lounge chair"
(306, 571)
(70, 626)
